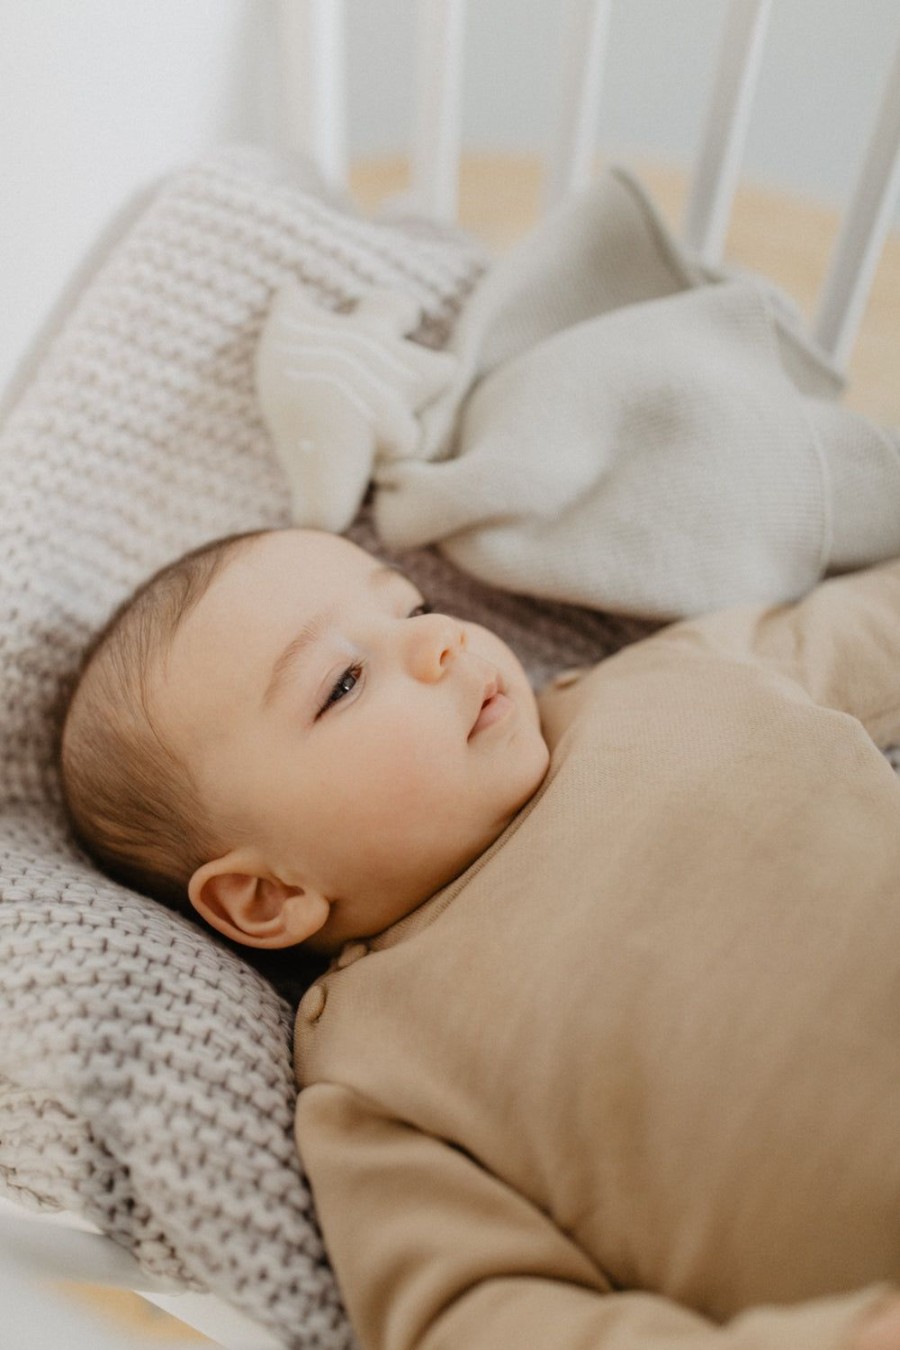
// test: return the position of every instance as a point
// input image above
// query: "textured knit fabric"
(633, 1079)
(336, 387)
(145, 1075)
(624, 428)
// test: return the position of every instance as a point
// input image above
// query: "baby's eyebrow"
(387, 570)
(310, 633)
(307, 637)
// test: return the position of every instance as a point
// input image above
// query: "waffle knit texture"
(145, 1075)
(145, 1070)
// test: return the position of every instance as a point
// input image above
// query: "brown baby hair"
(130, 800)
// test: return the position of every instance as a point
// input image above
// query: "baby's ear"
(246, 903)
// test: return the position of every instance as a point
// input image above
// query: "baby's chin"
(526, 778)
(351, 923)
(539, 768)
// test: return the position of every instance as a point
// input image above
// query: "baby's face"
(350, 745)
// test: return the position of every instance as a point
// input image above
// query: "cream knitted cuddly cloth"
(355, 385)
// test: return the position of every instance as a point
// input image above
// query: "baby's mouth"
(494, 705)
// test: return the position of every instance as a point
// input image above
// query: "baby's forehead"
(315, 553)
(266, 595)
(280, 577)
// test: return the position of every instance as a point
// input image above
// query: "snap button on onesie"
(352, 952)
(313, 1002)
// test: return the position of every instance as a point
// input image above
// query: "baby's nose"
(434, 643)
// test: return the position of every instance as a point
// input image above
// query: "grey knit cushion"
(145, 1072)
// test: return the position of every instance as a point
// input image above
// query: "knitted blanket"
(145, 1070)
(612, 424)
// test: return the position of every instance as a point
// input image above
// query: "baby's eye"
(345, 685)
(424, 608)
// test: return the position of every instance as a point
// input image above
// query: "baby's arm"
(840, 643)
(434, 1253)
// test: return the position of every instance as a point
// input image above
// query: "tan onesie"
(632, 1081)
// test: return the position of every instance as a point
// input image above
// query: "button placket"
(353, 951)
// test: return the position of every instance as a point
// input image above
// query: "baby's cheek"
(416, 785)
(416, 777)
(489, 645)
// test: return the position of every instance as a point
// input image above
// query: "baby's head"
(276, 732)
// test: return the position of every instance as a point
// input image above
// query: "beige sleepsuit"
(632, 1081)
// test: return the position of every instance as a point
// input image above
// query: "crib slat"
(863, 230)
(62, 1253)
(570, 154)
(311, 35)
(718, 165)
(440, 28)
(37, 1249)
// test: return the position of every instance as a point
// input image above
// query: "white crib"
(314, 103)
(311, 42)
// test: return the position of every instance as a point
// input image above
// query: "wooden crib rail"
(718, 168)
(37, 1250)
(570, 157)
(438, 107)
(864, 229)
(60, 1252)
(313, 78)
(312, 44)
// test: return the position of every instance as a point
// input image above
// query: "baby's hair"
(130, 799)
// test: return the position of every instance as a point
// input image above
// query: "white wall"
(100, 96)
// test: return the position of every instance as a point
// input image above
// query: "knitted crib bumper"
(145, 1073)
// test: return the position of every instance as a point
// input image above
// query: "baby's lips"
(492, 687)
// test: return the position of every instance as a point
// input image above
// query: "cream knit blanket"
(612, 424)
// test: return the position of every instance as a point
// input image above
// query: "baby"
(608, 1050)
